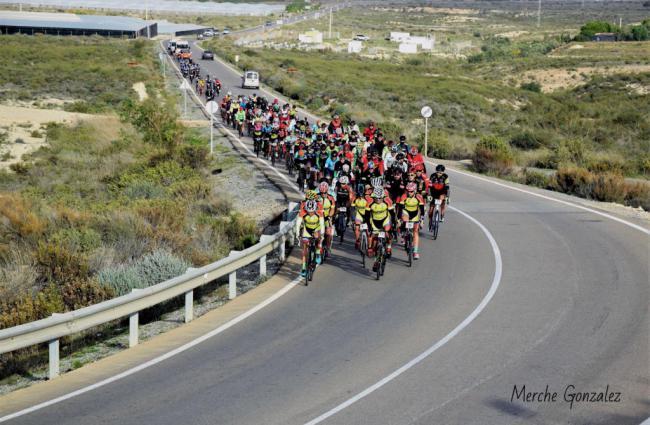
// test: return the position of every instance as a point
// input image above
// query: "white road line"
(498, 268)
(160, 358)
(550, 198)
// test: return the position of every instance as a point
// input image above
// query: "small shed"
(408, 48)
(355, 46)
(399, 36)
(604, 36)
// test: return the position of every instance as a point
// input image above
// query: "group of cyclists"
(347, 174)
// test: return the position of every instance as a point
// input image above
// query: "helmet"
(378, 192)
(311, 206)
(324, 187)
(411, 187)
(400, 155)
(402, 138)
(440, 168)
(367, 188)
(311, 195)
(394, 149)
(229, 93)
(371, 165)
(344, 180)
(346, 168)
(414, 150)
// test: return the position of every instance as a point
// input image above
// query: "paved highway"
(569, 311)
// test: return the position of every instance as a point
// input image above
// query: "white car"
(208, 33)
(250, 79)
(361, 37)
(225, 31)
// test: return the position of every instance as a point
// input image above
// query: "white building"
(408, 48)
(311, 37)
(399, 36)
(355, 46)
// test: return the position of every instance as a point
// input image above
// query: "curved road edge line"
(158, 359)
(496, 280)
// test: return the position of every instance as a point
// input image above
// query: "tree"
(591, 28)
(157, 123)
(639, 33)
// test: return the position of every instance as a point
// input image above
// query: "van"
(250, 79)
(171, 47)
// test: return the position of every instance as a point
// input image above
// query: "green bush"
(76, 239)
(525, 141)
(537, 179)
(493, 155)
(195, 157)
(570, 151)
(533, 86)
(152, 269)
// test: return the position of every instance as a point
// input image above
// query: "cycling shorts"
(380, 224)
(435, 194)
(412, 215)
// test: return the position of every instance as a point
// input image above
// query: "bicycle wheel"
(341, 228)
(364, 247)
(382, 265)
(436, 224)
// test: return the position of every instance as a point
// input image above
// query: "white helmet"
(311, 206)
(344, 180)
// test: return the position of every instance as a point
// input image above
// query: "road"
(569, 311)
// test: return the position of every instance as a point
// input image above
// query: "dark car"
(207, 55)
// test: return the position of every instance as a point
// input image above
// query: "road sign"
(185, 85)
(426, 112)
(212, 107)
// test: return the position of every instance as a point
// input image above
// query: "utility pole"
(330, 31)
(146, 18)
(539, 13)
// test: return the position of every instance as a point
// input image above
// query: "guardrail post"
(133, 329)
(189, 306)
(53, 358)
(263, 265)
(281, 254)
(232, 285)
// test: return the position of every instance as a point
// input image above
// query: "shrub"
(638, 195)
(571, 151)
(575, 181)
(493, 155)
(56, 264)
(29, 308)
(439, 145)
(18, 218)
(76, 239)
(84, 292)
(195, 157)
(533, 86)
(525, 141)
(535, 178)
(152, 269)
(608, 187)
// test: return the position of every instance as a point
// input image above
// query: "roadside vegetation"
(112, 203)
(495, 106)
(93, 74)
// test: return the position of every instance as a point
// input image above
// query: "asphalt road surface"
(570, 312)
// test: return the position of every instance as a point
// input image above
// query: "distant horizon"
(177, 6)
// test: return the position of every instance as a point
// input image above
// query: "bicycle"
(434, 220)
(408, 241)
(290, 164)
(380, 256)
(311, 261)
(363, 244)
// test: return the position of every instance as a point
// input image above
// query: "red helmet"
(411, 187)
(414, 150)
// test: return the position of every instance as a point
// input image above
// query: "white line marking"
(646, 422)
(550, 198)
(493, 288)
(160, 358)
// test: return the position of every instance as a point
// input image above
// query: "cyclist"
(411, 207)
(439, 189)
(329, 207)
(380, 209)
(415, 160)
(360, 205)
(311, 225)
(344, 195)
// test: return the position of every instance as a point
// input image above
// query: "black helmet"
(440, 168)
(402, 138)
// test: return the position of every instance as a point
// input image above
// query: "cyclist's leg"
(389, 239)
(415, 218)
(317, 236)
(443, 206)
(358, 219)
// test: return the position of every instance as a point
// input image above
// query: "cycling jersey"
(327, 201)
(411, 203)
(439, 184)
(379, 209)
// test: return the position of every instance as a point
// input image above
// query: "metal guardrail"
(51, 329)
